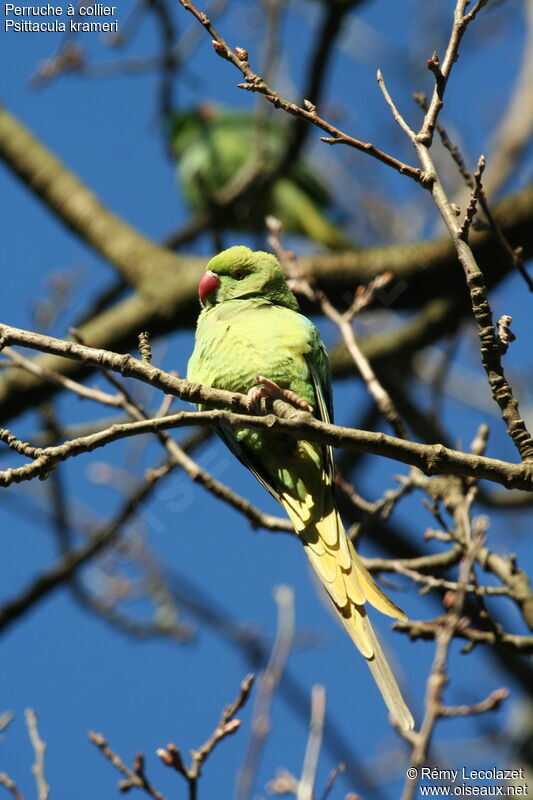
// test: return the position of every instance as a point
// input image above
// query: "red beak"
(208, 285)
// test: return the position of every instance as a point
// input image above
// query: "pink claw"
(267, 388)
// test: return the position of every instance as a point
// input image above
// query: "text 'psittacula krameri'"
(250, 326)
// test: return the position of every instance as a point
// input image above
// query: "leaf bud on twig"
(220, 50)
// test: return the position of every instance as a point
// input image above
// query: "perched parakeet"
(250, 326)
(211, 145)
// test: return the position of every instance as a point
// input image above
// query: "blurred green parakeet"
(251, 338)
(212, 144)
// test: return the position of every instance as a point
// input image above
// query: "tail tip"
(403, 719)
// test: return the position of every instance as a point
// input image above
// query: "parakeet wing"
(319, 372)
(247, 458)
(320, 378)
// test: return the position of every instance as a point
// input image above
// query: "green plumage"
(259, 332)
(249, 327)
(212, 144)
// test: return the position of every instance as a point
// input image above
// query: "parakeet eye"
(239, 274)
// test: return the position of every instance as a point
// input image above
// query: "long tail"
(350, 586)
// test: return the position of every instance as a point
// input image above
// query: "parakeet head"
(240, 273)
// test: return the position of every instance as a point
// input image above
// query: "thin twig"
(395, 113)
(477, 190)
(333, 775)
(24, 448)
(9, 784)
(449, 491)
(362, 297)
(514, 254)
(434, 706)
(432, 561)
(60, 380)
(135, 777)
(442, 70)
(383, 507)
(228, 725)
(254, 83)
(489, 346)
(491, 703)
(376, 389)
(318, 713)
(428, 630)
(73, 560)
(268, 682)
(5, 718)
(144, 346)
(39, 747)
(431, 582)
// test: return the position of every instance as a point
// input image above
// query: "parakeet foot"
(271, 390)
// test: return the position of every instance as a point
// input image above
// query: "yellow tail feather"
(361, 630)
(349, 585)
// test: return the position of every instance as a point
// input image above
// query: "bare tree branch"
(228, 725)
(268, 683)
(9, 784)
(316, 729)
(490, 350)
(433, 459)
(254, 83)
(419, 629)
(141, 262)
(434, 706)
(39, 747)
(132, 777)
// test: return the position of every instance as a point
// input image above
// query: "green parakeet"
(250, 326)
(212, 144)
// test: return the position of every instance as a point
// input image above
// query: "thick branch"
(432, 459)
(141, 262)
(424, 271)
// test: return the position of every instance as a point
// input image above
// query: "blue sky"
(72, 668)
